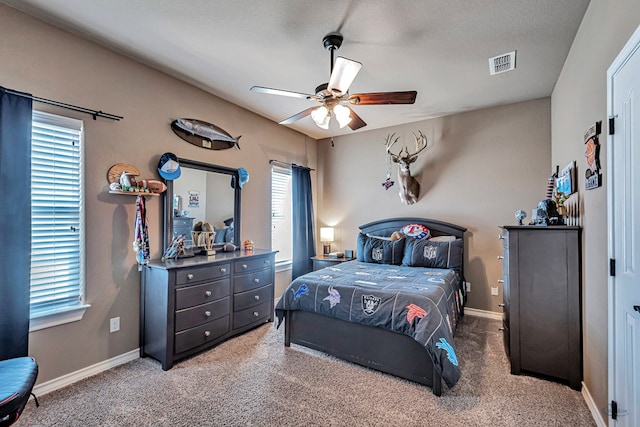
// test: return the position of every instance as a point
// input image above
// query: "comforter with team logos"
(423, 303)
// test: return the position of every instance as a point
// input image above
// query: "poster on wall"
(593, 177)
(566, 181)
(194, 199)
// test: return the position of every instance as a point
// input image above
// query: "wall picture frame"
(566, 182)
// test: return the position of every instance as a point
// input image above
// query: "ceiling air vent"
(501, 63)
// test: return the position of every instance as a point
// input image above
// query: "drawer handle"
(501, 329)
(500, 257)
(256, 314)
(501, 305)
(256, 280)
(223, 270)
(500, 236)
(257, 297)
(189, 276)
(207, 313)
(207, 333)
(500, 281)
(266, 261)
(207, 293)
(245, 266)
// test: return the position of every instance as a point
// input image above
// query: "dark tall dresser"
(542, 301)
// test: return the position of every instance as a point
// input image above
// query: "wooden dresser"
(542, 301)
(191, 304)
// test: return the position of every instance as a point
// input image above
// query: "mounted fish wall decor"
(203, 134)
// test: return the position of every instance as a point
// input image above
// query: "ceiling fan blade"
(380, 98)
(300, 115)
(344, 71)
(270, 91)
(356, 122)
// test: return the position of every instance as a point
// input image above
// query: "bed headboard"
(385, 227)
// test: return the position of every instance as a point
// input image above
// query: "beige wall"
(481, 168)
(38, 58)
(580, 99)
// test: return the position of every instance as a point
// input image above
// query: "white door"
(624, 234)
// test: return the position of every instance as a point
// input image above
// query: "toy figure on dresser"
(547, 213)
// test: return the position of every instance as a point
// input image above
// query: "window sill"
(57, 317)
(283, 266)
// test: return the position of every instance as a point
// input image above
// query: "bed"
(387, 310)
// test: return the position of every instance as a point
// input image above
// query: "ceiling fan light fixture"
(343, 115)
(321, 116)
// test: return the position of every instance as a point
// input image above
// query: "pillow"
(379, 250)
(434, 254)
(220, 235)
(443, 238)
(417, 231)
(228, 235)
(378, 237)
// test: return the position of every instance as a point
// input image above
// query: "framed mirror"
(203, 193)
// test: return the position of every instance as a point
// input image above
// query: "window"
(281, 221)
(57, 221)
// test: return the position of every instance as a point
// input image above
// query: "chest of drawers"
(189, 305)
(542, 301)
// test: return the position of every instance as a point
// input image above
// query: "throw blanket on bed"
(423, 303)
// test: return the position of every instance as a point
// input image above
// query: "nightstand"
(322, 261)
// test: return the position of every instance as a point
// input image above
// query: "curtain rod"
(289, 164)
(94, 113)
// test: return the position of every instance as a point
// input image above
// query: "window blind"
(281, 213)
(56, 214)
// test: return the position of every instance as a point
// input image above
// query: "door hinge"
(612, 267)
(612, 125)
(614, 410)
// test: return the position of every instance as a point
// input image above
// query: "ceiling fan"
(334, 95)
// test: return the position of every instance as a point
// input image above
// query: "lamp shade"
(326, 234)
(343, 115)
(321, 116)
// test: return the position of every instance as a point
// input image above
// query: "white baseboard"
(68, 379)
(595, 413)
(482, 313)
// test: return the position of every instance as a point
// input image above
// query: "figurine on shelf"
(560, 198)
(520, 215)
(547, 213)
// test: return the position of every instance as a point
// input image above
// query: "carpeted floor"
(253, 380)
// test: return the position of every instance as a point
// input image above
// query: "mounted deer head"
(409, 187)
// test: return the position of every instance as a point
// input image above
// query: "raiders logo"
(370, 304)
(430, 252)
(377, 254)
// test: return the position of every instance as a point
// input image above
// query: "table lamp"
(326, 237)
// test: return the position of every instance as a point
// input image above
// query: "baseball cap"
(244, 178)
(169, 167)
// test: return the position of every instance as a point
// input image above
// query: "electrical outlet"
(114, 324)
(494, 290)
(467, 286)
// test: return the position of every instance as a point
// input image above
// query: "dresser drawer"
(194, 275)
(252, 314)
(194, 316)
(253, 297)
(253, 280)
(190, 296)
(251, 264)
(202, 334)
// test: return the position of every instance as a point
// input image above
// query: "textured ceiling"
(439, 48)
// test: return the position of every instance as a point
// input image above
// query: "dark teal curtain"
(15, 225)
(304, 246)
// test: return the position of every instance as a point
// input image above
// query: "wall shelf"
(133, 193)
